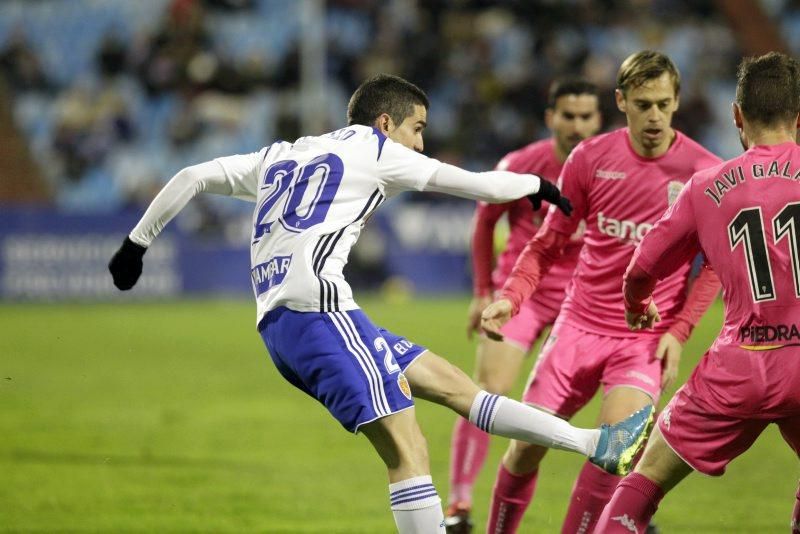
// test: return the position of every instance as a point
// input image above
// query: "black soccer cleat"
(457, 519)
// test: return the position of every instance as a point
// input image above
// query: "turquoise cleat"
(620, 443)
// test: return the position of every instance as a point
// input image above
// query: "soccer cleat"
(457, 519)
(620, 443)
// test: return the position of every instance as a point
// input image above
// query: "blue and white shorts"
(343, 360)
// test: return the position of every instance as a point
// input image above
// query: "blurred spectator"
(181, 38)
(21, 67)
(204, 78)
(88, 125)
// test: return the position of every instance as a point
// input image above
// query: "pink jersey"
(621, 195)
(536, 158)
(745, 216)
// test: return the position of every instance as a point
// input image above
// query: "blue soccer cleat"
(620, 443)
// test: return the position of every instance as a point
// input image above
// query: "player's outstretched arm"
(496, 186)
(537, 257)
(484, 222)
(126, 264)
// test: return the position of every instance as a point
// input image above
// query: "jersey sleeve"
(673, 240)
(572, 183)
(205, 177)
(486, 217)
(402, 169)
(241, 172)
(544, 249)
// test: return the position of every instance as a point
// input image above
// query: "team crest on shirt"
(402, 383)
(674, 189)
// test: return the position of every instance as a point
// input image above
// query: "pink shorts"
(726, 404)
(573, 363)
(524, 329)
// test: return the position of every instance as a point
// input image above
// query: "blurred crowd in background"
(115, 97)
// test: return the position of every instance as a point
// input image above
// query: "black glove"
(550, 193)
(126, 264)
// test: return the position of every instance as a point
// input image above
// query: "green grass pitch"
(170, 417)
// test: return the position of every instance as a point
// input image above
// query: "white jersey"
(313, 197)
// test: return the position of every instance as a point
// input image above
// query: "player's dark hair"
(644, 66)
(569, 86)
(768, 89)
(384, 93)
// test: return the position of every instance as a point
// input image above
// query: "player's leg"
(631, 378)
(435, 379)
(342, 360)
(594, 486)
(693, 432)
(497, 367)
(416, 505)
(553, 387)
(514, 486)
(636, 498)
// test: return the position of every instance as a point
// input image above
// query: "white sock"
(416, 506)
(500, 415)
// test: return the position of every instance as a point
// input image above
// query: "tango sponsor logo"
(625, 230)
(270, 273)
(769, 337)
(610, 175)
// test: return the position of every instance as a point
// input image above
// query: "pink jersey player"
(572, 115)
(620, 183)
(744, 215)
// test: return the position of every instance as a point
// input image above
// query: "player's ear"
(620, 98)
(677, 102)
(384, 123)
(548, 118)
(737, 116)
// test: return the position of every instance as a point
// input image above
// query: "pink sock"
(634, 502)
(592, 491)
(510, 498)
(796, 514)
(468, 450)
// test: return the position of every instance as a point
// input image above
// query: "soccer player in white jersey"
(312, 198)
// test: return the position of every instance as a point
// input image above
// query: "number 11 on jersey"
(747, 228)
